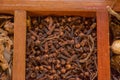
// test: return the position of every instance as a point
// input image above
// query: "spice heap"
(61, 48)
(115, 43)
(6, 46)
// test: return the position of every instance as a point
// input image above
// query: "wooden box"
(21, 8)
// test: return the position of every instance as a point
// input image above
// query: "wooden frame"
(20, 9)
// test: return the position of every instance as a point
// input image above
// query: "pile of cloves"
(115, 43)
(6, 46)
(61, 48)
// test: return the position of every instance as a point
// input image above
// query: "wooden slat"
(19, 45)
(55, 5)
(103, 45)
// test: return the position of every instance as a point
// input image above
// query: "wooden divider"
(19, 45)
(103, 45)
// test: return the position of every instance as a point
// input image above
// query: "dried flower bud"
(77, 45)
(46, 56)
(63, 70)
(68, 66)
(49, 67)
(58, 61)
(33, 75)
(61, 33)
(53, 71)
(33, 37)
(41, 67)
(36, 68)
(63, 62)
(51, 77)
(37, 42)
(86, 73)
(38, 58)
(57, 66)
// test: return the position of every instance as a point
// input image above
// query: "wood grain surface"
(103, 45)
(57, 5)
(19, 45)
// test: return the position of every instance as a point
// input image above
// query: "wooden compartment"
(6, 44)
(21, 9)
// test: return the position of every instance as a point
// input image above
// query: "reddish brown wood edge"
(57, 5)
(103, 45)
(19, 45)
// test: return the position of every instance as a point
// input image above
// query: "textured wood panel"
(19, 45)
(103, 45)
(57, 5)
